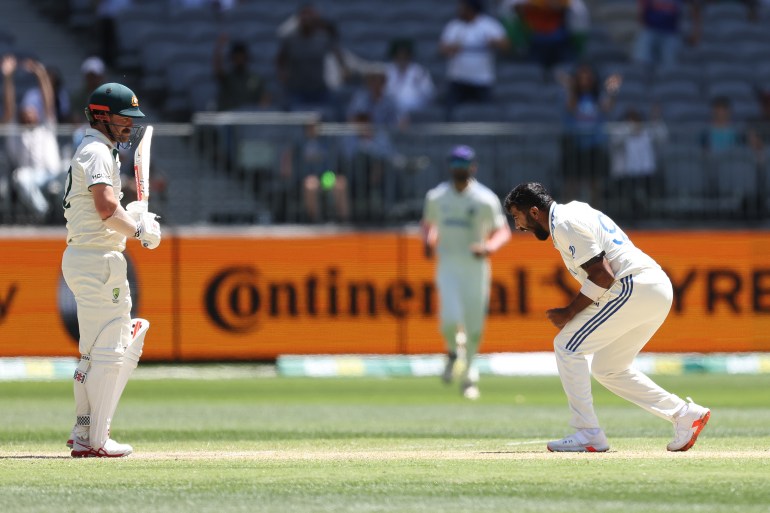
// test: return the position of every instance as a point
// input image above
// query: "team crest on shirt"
(471, 211)
(572, 251)
(115, 294)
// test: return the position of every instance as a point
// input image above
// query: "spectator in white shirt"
(407, 82)
(469, 42)
(31, 145)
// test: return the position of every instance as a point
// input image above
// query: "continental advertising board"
(256, 295)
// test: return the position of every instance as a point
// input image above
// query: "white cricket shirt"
(95, 161)
(474, 62)
(581, 232)
(462, 218)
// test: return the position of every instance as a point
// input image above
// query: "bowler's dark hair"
(527, 195)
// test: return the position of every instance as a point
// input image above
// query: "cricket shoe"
(688, 425)
(110, 449)
(470, 390)
(449, 368)
(585, 440)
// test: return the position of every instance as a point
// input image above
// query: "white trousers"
(463, 287)
(614, 333)
(98, 279)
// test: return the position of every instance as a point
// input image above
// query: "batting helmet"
(112, 98)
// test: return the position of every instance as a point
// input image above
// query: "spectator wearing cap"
(469, 42)
(31, 145)
(239, 87)
(407, 82)
(93, 72)
(463, 222)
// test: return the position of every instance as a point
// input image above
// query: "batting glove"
(148, 230)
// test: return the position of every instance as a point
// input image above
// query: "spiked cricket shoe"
(688, 425)
(585, 440)
(110, 449)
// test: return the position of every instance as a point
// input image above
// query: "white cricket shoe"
(71, 439)
(110, 449)
(449, 368)
(470, 390)
(585, 440)
(688, 425)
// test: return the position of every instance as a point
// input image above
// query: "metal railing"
(278, 168)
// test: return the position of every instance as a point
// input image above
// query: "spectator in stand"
(469, 43)
(407, 82)
(239, 87)
(759, 127)
(634, 146)
(545, 28)
(722, 133)
(31, 146)
(93, 71)
(586, 160)
(320, 183)
(301, 60)
(34, 96)
(369, 151)
(660, 34)
(336, 74)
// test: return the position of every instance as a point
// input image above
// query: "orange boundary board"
(240, 296)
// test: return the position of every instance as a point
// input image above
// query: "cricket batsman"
(464, 222)
(95, 269)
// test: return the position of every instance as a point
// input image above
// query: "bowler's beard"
(540, 233)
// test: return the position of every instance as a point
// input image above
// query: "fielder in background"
(464, 221)
(624, 298)
(95, 269)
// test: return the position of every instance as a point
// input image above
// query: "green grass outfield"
(370, 445)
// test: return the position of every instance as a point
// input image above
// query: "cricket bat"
(142, 166)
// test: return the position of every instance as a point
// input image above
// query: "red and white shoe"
(110, 449)
(688, 425)
(585, 440)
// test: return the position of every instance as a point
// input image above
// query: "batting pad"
(130, 359)
(100, 386)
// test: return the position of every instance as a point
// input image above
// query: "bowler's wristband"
(592, 291)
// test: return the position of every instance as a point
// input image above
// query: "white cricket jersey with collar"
(580, 232)
(95, 161)
(462, 218)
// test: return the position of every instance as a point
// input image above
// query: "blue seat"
(535, 113)
(684, 172)
(733, 89)
(671, 90)
(479, 112)
(720, 71)
(686, 112)
(691, 72)
(735, 173)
